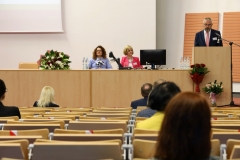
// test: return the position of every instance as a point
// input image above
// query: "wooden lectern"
(218, 61)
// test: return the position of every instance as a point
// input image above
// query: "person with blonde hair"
(186, 129)
(46, 98)
(128, 60)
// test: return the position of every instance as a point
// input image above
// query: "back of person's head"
(161, 94)
(156, 83)
(3, 89)
(186, 128)
(46, 96)
(146, 89)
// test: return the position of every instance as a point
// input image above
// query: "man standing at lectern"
(208, 36)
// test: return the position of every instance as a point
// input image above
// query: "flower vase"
(197, 79)
(213, 99)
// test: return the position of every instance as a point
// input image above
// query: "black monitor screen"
(153, 57)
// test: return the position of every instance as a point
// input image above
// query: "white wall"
(171, 21)
(87, 23)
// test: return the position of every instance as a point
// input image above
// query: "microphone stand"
(230, 43)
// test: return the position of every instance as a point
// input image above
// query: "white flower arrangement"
(53, 60)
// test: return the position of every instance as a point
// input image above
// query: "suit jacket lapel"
(202, 38)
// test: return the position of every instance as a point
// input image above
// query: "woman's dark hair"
(2, 88)
(186, 128)
(161, 94)
(104, 54)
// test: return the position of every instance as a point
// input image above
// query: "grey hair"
(207, 19)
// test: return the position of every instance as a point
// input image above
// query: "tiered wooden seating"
(65, 113)
(112, 131)
(45, 119)
(5, 119)
(226, 126)
(60, 122)
(139, 108)
(22, 126)
(53, 117)
(104, 118)
(224, 130)
(235, 153)
(77, 150)
(14, 149)
(113, 109)
(78, 125)
(87, 137)
(72, 110)
(145, 134)
(230, 145)
(144, 148)
(108, 115)
(43, 133)
(215, 144)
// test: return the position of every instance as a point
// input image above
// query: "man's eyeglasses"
(207, 24)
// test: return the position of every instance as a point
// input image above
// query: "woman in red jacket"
(129, 60)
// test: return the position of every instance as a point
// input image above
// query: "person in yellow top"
(158, 100)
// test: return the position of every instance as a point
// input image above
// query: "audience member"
(99, 59)
(145, 90)
(46, 98)
(128, 60)
(186, 129)
(148, 112)
(158, 100)
(6, 111)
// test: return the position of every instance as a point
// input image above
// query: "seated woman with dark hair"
(99, 59)
(46, 98)
(186, 129)
(6, 111)
(158, 100)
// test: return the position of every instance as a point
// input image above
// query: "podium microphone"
(218, 38)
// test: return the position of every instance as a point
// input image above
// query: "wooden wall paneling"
(72, 88)
(231, 32)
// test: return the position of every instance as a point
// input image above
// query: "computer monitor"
(153, 57)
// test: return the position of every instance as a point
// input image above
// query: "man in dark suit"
(145, 90)
(4, 110)
(208, 36)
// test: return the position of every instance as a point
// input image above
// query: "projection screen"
(30, 16)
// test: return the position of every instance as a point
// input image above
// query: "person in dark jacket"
(145, 90)
(6, 111)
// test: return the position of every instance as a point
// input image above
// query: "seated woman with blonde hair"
(129, 60)
(46, 98)
(186, 129)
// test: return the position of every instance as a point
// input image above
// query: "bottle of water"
(181, 63)
(184, 62)
(188, 63)
(86, 63)
(83, 63)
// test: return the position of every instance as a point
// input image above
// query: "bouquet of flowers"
(213, 87)
(197, 73)
(54, 60)
(199, 69)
